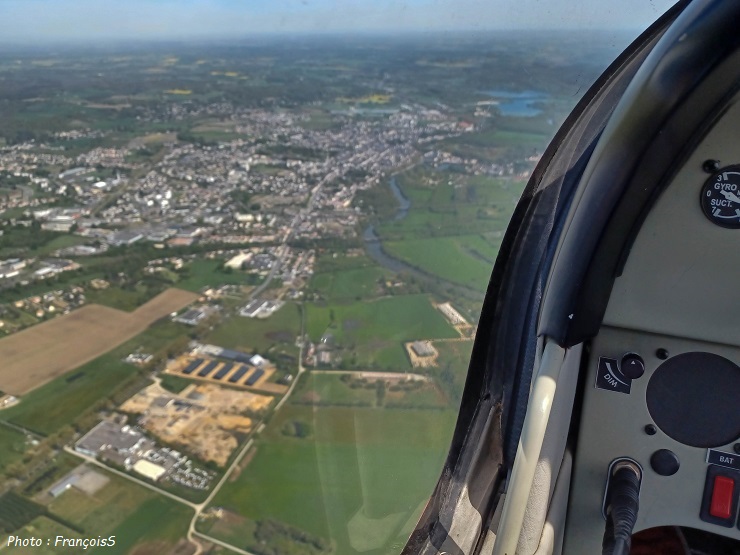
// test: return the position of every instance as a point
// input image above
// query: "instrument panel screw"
(710, 166)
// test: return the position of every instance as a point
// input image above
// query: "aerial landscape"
(240, 280)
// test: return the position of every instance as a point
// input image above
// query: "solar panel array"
(208, 368)
(190, 368)
(236, 376)
(256, 375)
(225, 369)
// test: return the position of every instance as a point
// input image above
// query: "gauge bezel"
(704, 200)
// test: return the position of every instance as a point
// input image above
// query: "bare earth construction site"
(37, 355)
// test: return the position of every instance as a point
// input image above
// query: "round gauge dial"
(720, 197)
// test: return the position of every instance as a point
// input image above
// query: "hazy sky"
(54, 20)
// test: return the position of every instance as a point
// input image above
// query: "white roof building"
(149, 469)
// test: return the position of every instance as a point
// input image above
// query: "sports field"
(38, 354)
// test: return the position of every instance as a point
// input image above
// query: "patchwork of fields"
(365, 473)
(38, 354)
(372, 333)
(138, 518)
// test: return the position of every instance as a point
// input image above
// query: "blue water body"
(518, 104)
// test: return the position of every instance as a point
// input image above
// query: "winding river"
(374, 248)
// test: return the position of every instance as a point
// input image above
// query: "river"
(374, 248)
(372, 240)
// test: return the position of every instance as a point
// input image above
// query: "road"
(199, 508)
(283, 248)
(375, 374)
(122, 474)
(193, 535)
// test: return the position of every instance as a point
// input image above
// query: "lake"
(518, 104)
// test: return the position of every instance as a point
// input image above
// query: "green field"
(332, 261)
(372, 333)
(325, 389)
(502, 138)
(345, 285)
(455, 224)
(361, 480)
(279, 331)
(465, 259)
(173, 383)
(57, 403)
(136, 516)
(13, 446)
(208, 273)
(452, 369)
(44, 527)
(156, 523)
(61, 242)
(16, 511)
(337, 389)
(115, 297)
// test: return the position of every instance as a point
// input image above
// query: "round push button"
(665, 462)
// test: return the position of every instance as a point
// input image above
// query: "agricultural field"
(38, 354)
(372, 333)
(208, 273)
(452, 369)
(43, 527)
(349, 285)
(17, 511)
(13, 445)
(132, 513)
(454, 225)
(361, 478)
(464, 259)
(57, 403)
(329, 389)
(279, 331)
(116, 297)
(332, 261)
(357, 389)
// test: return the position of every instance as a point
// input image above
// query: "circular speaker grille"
(694, 399)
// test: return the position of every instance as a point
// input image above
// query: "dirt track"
(34, 356)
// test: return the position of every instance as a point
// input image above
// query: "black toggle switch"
(632, 366)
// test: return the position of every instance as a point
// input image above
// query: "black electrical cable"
(622, 504)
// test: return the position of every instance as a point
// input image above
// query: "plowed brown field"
(34, 356)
